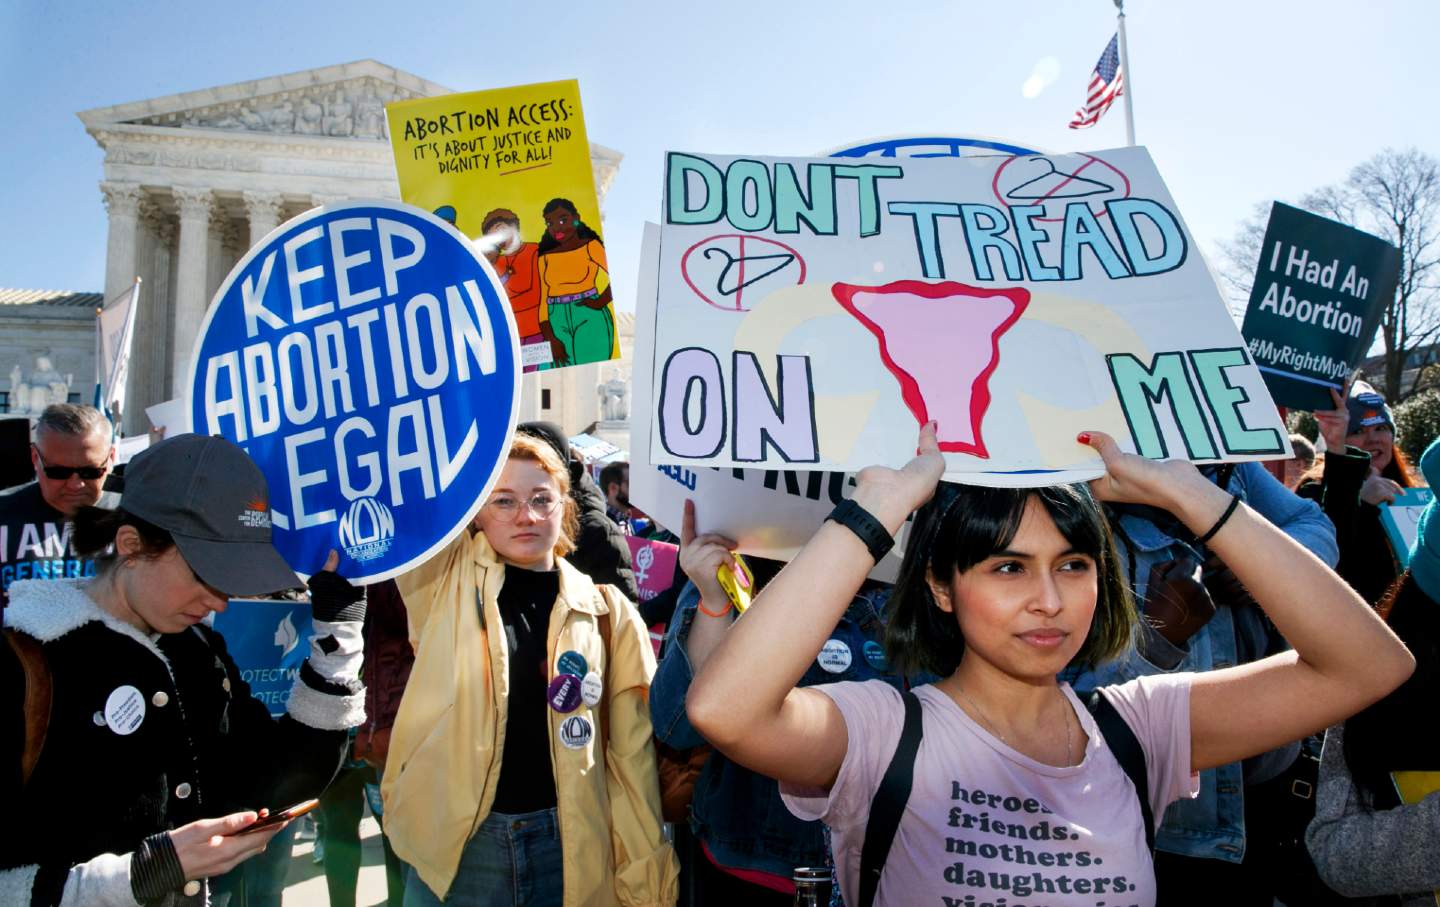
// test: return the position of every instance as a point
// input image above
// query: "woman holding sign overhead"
(521, 768)
(998, 780)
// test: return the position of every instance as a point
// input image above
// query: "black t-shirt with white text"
(35, 541)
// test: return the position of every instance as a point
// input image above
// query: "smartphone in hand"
(280, 817)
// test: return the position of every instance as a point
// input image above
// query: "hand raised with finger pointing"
(893, 494)
(703, 556)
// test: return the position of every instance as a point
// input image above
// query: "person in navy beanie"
(1363, 469)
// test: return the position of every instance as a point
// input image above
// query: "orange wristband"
(708, 613)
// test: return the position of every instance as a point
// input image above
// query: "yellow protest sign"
(510, 168)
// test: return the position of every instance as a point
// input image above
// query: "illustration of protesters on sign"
(517, 264)
(579, 314)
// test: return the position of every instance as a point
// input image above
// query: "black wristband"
(155, 869)
(861, 522)
(1224, 518)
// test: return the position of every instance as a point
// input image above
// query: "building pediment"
(346, 101)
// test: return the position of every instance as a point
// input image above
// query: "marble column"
(150, 354)
(122, 200)
(195, 205)
(263, 210)
(530, 398)
(320, 201)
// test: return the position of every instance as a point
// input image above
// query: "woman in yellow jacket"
(521, 767)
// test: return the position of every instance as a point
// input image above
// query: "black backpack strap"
(889, 803)
(1127, 751)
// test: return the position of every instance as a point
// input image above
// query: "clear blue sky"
(1239, 102)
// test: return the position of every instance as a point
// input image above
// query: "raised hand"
(1378, 489)
(1334, 423)
(893, 494)
(703, 556)
(1133, 479)
(332, 597)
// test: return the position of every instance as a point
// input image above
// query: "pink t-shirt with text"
(988, 826)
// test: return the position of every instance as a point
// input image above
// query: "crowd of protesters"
(1171, 685)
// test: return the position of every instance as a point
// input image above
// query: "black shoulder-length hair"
(963, 525)
(548, 243)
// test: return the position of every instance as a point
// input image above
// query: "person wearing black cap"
(134, 783)
(1363, 468)
(600, 549)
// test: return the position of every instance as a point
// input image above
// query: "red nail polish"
(1083, 437)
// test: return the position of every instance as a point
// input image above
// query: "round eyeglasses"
(506, 507)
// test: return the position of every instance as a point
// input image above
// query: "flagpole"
(99, 357)
(1125, 68)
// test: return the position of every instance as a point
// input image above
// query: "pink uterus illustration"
(941, 341)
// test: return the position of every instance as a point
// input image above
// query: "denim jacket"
(736, 812)
(1213, 824)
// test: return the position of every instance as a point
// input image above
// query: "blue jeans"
(260, 880)
(510, 860)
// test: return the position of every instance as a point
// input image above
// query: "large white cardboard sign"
(811, 313)
(769, 513)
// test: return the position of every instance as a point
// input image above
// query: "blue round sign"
(931, 146)
(364, 355)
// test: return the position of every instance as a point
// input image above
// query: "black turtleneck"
(527, 781)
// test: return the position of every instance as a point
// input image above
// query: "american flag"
(1107, 83)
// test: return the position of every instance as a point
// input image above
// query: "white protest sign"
(126, 448)
(768, 513)
(171, 416)
(811, 313)
(1401, 519)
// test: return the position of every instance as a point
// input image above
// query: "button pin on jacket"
(563, 694)
(576, 731)
(572, 662)
(835, 656)
(875, 654)
(124, 710)
(592, 688)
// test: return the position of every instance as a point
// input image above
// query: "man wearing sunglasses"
(72, 453)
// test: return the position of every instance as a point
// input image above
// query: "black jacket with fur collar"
(145, 734)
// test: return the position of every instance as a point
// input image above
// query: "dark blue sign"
(268, 640)
(365, 357)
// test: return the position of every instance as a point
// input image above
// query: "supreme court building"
(192, 180)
